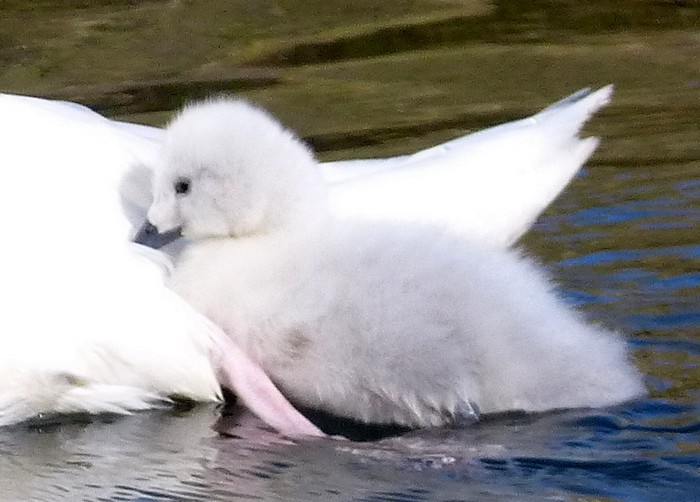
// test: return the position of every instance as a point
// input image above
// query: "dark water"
(384, 78)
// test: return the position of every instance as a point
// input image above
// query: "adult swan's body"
(89, 324)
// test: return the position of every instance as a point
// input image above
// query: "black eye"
(182, 186)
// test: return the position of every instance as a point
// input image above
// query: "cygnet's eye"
(182, 186)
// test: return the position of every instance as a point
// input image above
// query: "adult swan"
(88, 325)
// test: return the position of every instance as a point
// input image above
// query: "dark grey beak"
(148, 236)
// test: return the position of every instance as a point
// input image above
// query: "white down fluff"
(377, 321)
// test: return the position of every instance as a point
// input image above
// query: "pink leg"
(251, 384)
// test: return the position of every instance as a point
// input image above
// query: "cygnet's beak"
(148, 235)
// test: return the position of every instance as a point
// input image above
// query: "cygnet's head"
(229, 169)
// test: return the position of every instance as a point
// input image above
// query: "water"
(362, 80)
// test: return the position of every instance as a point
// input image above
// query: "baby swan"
(378, 322)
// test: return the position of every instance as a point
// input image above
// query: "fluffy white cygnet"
(379, 322)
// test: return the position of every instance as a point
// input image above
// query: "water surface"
(382, 78)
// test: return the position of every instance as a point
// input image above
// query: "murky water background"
(381, 78)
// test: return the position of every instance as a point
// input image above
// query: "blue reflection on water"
(630, 255)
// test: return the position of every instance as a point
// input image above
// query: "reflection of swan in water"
(69, 342)
(380, 322)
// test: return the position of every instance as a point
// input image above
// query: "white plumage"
(88, 324)
(383, 322)
(489, 186)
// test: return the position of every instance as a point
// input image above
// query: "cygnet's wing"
(489, 186)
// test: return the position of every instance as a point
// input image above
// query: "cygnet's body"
(379, 322)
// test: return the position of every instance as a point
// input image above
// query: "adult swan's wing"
(488, 186)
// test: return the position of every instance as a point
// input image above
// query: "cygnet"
(383, 323)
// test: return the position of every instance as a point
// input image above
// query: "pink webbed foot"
(250, 383)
